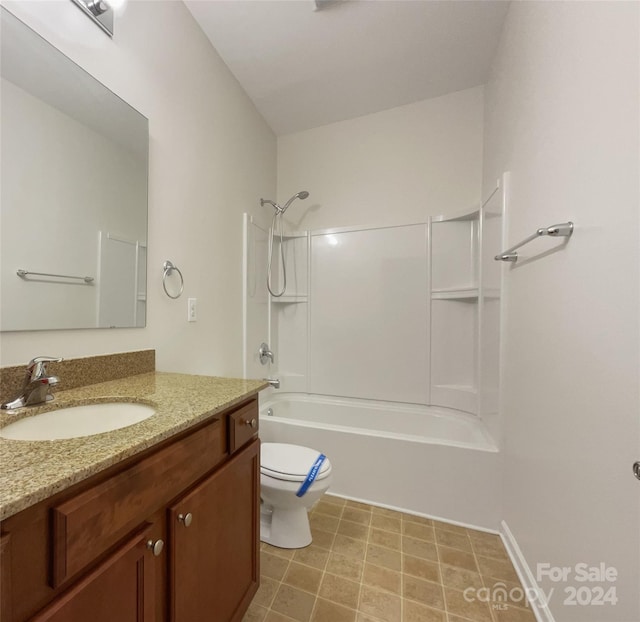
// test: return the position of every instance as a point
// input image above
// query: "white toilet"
(284, 521)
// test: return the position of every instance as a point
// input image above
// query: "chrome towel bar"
(23, 273)
(563, 230)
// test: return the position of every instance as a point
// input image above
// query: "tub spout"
(274, 382)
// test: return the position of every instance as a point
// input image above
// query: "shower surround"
(385, 345)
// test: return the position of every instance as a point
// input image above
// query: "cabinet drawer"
(91, 522)
(243, 425)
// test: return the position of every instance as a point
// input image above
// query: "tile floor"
(368, 564)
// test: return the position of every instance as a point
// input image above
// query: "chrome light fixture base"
(99, 12)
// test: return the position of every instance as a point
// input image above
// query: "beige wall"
(562, 116)
(396, 166)
(211, 158)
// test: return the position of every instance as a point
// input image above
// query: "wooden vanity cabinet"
(91, 553)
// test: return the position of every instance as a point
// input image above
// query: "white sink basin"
(77, 421)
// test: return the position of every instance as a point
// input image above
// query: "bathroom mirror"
(74, 168)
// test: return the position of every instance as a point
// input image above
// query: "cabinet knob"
(252, 423)
(185, 519)
(155, 547)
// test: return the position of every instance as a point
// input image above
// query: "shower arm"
(274, 205)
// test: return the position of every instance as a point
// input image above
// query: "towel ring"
(168, 268)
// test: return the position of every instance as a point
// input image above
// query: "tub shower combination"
(402, 323)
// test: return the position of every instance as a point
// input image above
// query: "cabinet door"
(121, 588)
(214, 543)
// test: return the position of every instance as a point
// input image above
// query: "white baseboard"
(396, 508)
(526, 576)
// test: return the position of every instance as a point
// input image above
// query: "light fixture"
(97, 7)
(100, 11)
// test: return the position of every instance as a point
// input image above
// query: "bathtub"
(425, 460)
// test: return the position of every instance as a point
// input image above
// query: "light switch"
(192, 308)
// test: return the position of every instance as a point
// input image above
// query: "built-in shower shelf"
(291, 235)
(491, 293)
(469, 214)
(458, 396)
(465, 388)
(292, 299)
(464, 293)
(456, 251)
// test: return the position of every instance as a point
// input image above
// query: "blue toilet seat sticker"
(311, 476)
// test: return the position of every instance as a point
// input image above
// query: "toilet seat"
(290, 463)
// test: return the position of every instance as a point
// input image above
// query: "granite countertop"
(34, 470)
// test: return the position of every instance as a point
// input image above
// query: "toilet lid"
(290, 462)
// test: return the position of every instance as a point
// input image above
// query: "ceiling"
(305, 66)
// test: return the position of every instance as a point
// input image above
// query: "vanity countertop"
(32, 471)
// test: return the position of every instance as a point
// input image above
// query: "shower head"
(281, 210)
(303, 194)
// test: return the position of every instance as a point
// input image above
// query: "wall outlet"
(192, 309)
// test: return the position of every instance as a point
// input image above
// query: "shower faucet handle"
(265, 354)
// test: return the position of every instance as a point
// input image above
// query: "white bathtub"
(426, 460)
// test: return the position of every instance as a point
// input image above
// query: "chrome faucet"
(274, 382)
(37, 384)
